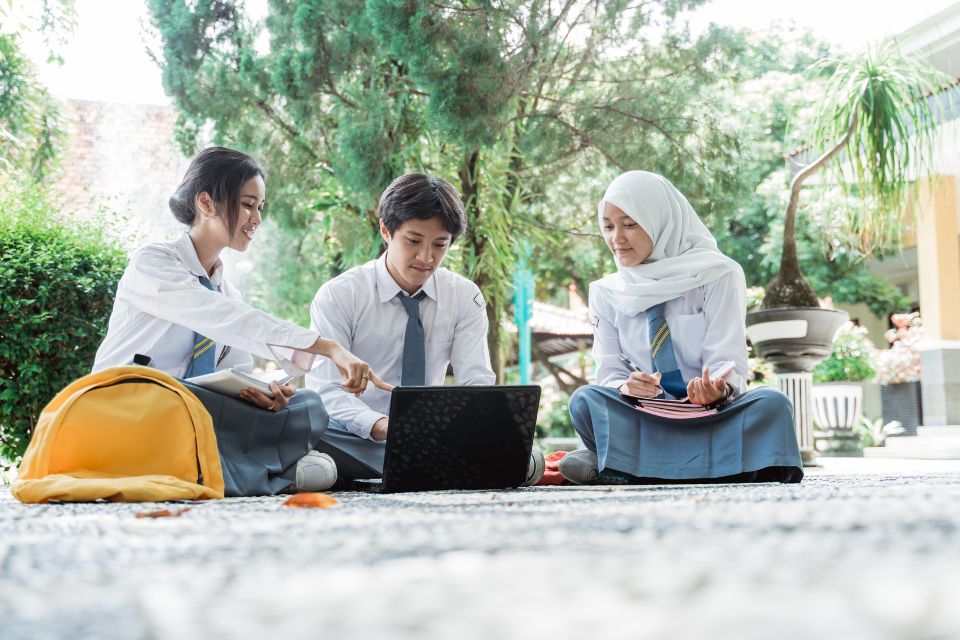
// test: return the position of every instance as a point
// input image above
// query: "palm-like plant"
(877, 123)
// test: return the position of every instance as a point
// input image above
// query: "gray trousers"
(357, 458)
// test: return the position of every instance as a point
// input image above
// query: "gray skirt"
(259, 449)
(753, 434)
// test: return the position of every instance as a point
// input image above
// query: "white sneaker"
(535, 468)
(315, 472)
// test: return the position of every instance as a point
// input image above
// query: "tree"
(876, 123)
(505, 98)
(30, 134)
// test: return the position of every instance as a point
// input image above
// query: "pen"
(629, 365)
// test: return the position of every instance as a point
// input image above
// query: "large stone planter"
(902, 402)
(794, 340)
(837, 408)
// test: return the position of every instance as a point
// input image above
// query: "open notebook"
(665, 408)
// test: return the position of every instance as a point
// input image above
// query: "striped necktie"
(414, 368)
(204, 349)
(661, 352)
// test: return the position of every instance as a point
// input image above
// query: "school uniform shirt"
(706, 327)
(360, 310)
(160, 303)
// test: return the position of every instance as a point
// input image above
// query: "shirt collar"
(188, 254)
(388, 288)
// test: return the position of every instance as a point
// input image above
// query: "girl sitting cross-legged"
(675, 309)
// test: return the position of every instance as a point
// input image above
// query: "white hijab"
(685, 254)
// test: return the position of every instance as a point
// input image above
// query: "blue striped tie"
(414, 371)
(204, 349)
(661, 352)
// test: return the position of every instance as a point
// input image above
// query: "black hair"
(417, 195)
(221, 172)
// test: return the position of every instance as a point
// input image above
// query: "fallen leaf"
(163, 513)
(310, 501)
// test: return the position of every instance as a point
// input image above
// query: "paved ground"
(856, 551)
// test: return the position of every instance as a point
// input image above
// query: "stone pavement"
(854, 552)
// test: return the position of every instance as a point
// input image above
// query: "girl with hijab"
(673, 311)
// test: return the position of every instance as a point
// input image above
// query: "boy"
(404, 315)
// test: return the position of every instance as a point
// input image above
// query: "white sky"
(106, 57)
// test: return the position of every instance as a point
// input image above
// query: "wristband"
(722, 401)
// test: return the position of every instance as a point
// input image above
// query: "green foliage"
(30, 134)
(875, 126)
(557, 422)
(873, 433)
(503, 99)
(851, 359)
(882, 98)
(57, 284)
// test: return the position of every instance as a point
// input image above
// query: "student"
(672, 287)
(174, 306)
(406, 316)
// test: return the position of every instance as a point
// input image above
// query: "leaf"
(311, 501)
(163, 513)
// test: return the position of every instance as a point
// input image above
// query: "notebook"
(665, 408)
(232, 381)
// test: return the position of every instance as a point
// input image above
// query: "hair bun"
(181, 211)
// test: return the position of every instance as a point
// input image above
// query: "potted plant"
(876, 125)
(898, 372)
(838, 392)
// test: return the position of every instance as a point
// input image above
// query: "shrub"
(58, 277)
(851, 359)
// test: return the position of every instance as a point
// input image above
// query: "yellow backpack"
(126, 434)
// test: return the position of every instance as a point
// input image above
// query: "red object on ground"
(551, 474)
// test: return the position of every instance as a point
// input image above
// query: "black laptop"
(457, 438)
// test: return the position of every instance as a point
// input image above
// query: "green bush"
(852, 357)
(58, 278)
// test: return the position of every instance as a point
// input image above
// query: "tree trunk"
(788, 288)
(470, 189)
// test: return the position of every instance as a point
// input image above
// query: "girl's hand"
(280, 400)
(356, 373)
(642, 385)
(704, 390)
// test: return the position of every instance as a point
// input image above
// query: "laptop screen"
(459, 437)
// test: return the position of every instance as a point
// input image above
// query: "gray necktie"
(414, 368)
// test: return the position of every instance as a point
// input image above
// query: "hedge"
(58, 277)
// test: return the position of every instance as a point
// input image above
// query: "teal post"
(523, 291)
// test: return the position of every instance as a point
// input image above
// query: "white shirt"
(359, 309)
(160, 303)
(706, 327)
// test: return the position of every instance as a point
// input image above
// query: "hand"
(379, 431)
(642, 385)
(356, 373)
(281, 396)
(704, 390)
